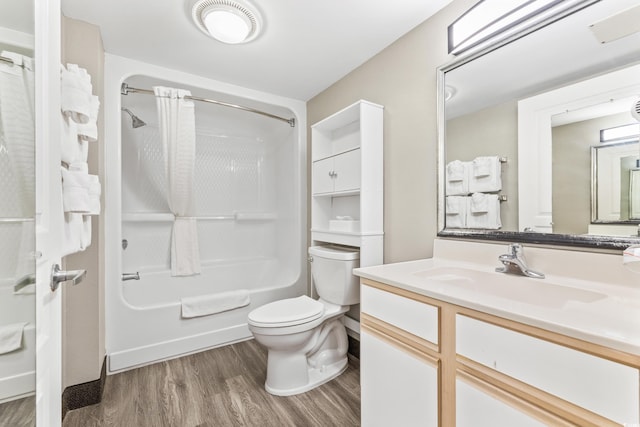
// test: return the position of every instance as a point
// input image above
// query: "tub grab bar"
(130, 276)
(24, 281)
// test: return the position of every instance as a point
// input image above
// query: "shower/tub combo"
(249, 191)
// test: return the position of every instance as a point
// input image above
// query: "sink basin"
(541, 292)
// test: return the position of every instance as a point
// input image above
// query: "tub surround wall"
(83, 325)
(144, 324)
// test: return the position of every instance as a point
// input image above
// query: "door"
(48, 213)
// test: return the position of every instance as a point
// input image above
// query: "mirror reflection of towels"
(484, 212)
(456, 211)
(485, 174)
(457, 181)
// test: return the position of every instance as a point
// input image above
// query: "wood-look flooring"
(18, 413)
(219, 387)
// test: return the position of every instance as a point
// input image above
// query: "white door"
(48, 213)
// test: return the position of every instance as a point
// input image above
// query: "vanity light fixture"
(228, 21)
(498, 19)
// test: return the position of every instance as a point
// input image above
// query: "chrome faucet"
(514, 262)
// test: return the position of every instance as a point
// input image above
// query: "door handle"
(58, 276)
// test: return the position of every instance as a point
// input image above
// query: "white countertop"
(598, 312)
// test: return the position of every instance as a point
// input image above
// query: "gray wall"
(83, 339)
(402, 78)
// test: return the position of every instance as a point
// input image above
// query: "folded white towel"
(85, 234)
(205, 305)
(75, 190)
(486, 213)
(75, 97)
(185, 255)
(71, 149)
(456, 211)
(456, 176)
(11, 337)
(95, 190)
(485, 176)
(479, 202)
(89, 131)
(73, 230)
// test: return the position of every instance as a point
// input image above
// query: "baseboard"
(132, 358)
(85, 394)
(354, 347)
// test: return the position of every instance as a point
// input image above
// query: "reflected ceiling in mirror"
(482, 118)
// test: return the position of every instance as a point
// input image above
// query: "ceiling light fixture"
(229, 21)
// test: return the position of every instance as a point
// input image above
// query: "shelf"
(328, 156)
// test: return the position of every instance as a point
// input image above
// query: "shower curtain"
(177, 127)
(17, 158)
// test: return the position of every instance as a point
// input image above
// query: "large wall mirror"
(17, 210)
(528, 150)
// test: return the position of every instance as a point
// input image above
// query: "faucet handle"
(515, 248)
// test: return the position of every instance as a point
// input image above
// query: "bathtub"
(17, 369)
(251, 210)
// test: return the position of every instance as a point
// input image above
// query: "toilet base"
(317, 377)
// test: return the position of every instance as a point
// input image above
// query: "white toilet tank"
(331, 268)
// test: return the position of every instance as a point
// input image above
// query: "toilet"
(306, 338)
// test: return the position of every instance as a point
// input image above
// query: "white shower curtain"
(17, 158)
(177, 128)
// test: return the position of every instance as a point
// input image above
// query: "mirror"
(17, 211)
(515, 101)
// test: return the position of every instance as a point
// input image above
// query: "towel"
(484, 212)
(71, 149)
(456, 211)
(89, 131)
(485, 175)
(185, 256)
(479, 203)
(95, 190)
(456, 176)
(11, 337)
(75, 189)
(73, 229)
(75, 96)
(205, 305)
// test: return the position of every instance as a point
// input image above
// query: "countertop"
(597, 312)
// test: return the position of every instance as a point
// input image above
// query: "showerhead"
(136, 121)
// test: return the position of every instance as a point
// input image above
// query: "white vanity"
(449, 341)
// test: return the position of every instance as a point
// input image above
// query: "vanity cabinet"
(485, 370)
(347, 180)
(399, 377)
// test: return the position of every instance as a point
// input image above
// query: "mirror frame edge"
(591, 242)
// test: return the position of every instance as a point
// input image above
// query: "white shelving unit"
(347, 180)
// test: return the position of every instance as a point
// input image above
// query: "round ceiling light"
(229, 21)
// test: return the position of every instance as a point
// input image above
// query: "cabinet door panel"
(347, 166)
(604, 387)
(322, 181)
(475, 408)
(398, 389)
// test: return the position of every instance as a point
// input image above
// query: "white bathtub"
(252, 231)
(17, 369)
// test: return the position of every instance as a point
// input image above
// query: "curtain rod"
(125, 89)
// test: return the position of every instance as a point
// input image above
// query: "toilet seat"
(287, 312)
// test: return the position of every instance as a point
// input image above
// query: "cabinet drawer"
(607, 388)
(415, 317)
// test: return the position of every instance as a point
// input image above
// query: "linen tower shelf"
(347, 180)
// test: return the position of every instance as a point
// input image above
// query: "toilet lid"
(287, 312)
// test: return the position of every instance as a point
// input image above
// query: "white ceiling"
(305, 47)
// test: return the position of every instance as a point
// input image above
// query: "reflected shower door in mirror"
(17, 210)
(515, 99)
